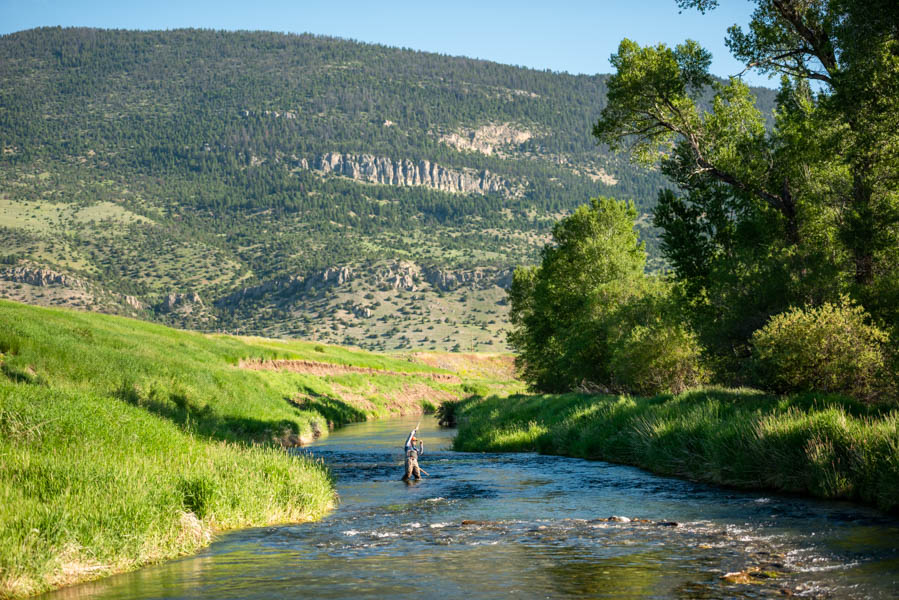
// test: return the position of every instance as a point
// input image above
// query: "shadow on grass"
(335, 411)
(17, 375)
(205, 421)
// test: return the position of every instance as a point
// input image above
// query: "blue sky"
(577, 36)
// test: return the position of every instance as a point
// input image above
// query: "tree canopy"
(782, 233)
(560, 310)
(760, 219)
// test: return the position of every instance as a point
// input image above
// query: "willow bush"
(829, 348)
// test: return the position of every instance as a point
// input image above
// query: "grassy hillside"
(124, 442)
(165, 187)
(824, 446)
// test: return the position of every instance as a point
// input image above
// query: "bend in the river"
(530, 526)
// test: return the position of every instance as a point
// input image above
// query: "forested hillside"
(289, 184)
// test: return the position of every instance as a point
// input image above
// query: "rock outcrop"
(397, 275)
(281, 285)
(405, 172)
(331, 276)
(409, 276)
(363, 312)
(487, 139)
(291, 285)
(451, 279)
(180, 302)
(69, 290)
(185, 305)
(133, 302)
(41, 277)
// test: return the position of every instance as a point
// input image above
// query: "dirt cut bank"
(311, 367)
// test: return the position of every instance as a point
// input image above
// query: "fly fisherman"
(412, 454)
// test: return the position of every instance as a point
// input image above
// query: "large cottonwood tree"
(764, 217)
(564, 312)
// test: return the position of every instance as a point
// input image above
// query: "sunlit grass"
(319, 352)
(91, 485)
(124, 442)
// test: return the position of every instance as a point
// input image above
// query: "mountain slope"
(183, 176)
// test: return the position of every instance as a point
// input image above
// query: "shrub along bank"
(824, 446)
(124, 442)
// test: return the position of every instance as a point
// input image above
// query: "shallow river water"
(530, 526)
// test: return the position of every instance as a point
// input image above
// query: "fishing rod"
(422, 444)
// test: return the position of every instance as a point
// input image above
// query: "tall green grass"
(90, 485)
(824, 446)
(124, 442)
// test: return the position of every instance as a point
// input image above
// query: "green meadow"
(124, 442)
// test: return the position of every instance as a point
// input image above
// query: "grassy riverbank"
(124, 442)
(90, 485)
(826, 447)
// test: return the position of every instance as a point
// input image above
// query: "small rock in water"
(668, 524)
(750, 575)
(737, 577)
(470, 522)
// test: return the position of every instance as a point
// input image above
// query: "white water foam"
(480, 543)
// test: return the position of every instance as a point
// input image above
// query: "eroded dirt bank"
(310, 367)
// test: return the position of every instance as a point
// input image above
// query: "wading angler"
(413, 448)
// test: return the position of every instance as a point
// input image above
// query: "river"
(529, 526)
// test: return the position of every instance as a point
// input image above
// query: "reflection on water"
(530, 526)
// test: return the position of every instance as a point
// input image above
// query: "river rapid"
(529, 526)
